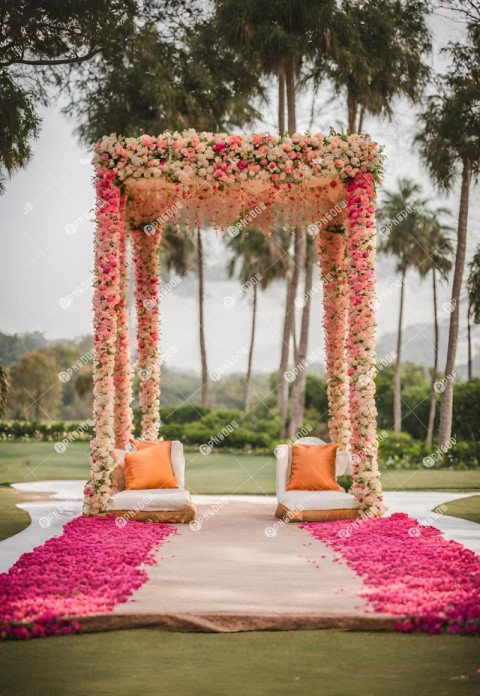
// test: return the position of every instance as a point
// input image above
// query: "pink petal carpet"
(89, 569)
(410, 571)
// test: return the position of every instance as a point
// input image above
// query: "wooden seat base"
(175, 516)
(287, 515)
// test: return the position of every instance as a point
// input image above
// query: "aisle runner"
(89, 569)
(410, 570)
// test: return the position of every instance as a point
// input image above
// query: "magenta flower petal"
(410, 571)
(93, 566)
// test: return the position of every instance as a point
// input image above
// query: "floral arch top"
(219, 178)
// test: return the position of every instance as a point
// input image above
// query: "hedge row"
(229, 429)
(45, 432)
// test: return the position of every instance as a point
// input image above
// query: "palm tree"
(399, 211)
(293, 276)
(261, 261)
(376, 53)
(473, 289)
(449, 141)
(4, 388)
(282, 37)
(204, 399)
(298, 399)
(177, 253)
(279, 36)
(435, 252)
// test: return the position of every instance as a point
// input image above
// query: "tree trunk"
(248, 381)
(361, 118)
(469, 339)
(292, 286)
(446, 409)
(281, 99)
(433, 393)
(291, 106)
(298, 401)
(201, 321)
(397, 383)
(294, 337)
(351, 109)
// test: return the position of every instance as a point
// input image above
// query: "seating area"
(164, 504)
(297, 505)
(306, 492)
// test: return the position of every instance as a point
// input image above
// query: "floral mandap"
(233, 182)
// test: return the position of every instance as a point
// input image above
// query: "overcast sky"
(46, 245)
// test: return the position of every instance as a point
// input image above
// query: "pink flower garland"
(147, 300)
(360, 221)
(105, 300)
(333, 263)
(93, 566)
(219, 177)
(223, 158)
(123, 417)
(410, 571)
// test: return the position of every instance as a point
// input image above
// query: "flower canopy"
(234, 183)
(218, 178)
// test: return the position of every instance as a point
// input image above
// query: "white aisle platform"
(61, 501)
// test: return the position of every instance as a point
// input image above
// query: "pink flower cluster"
(106, 300)
(93, 566)
(360, 237)
(410, 571)
(221, 158)
(123, 417)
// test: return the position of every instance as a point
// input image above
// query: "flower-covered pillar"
(106, 285)
(361, 237)
(123, 417)
(333, 265)
(147, 301)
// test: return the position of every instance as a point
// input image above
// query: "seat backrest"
(283, 454)
(178, 466)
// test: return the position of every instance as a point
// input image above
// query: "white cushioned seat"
(152, 504)
(322, 505)
(151, 499)
(318, 500)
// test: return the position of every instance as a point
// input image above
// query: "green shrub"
(401, 451)
(466, 410)
(45, 431)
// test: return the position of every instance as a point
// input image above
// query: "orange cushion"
(150, 467)
(313, 468)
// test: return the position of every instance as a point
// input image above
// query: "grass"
(293, 662)
(12, 519)
(430, 480)
(215, 473)
(466, 508)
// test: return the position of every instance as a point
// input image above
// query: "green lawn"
(293, 662)
(466, 508)
(12, 518)
(215, 473)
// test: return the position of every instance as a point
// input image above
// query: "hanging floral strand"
(333, 264)
(105, 299)
(147, 301)
(123, 420)
(360, 219)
